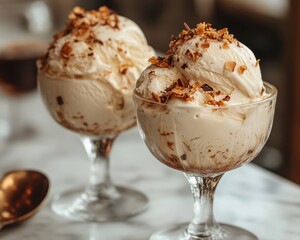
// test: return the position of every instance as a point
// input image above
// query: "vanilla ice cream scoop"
(87, 76)
(204, 66)
(203, 108)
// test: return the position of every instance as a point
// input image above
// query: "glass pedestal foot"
(74, 205)
(226, 232)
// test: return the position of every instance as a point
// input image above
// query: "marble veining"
(249, 197)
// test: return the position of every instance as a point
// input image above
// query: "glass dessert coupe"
(204, 143)
(101, 200)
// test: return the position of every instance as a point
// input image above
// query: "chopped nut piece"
(257, 62)
(223, 31)
(197, 55)
(189, 54)
(77, 12)
(197, 85)
(151, 72)
(206, 88)
(227, 98)
(59, 100)
(66, 50)
(242, 69)
(182, 82)
(124, 68)
(225, 45)
(189, 99)
(192, 91)
(98, 41)
(186, 26)
(230, 65)
(153, 60)
(178, 91)
(201, 28)
(82, 31)
(205, 45)
(184, 66)
(228, 37)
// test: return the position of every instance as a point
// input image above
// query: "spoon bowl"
(21, 194)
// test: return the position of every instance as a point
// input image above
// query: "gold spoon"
(21, 195)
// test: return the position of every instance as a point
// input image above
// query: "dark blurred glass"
(25, 30)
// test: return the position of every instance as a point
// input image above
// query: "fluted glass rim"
(270, 89)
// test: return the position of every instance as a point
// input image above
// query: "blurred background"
(269, 28)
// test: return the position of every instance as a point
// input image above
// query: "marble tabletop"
(249, 197)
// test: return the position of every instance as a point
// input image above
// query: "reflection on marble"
(249, 197)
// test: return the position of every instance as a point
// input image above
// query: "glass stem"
(203, 223)
(100, 186)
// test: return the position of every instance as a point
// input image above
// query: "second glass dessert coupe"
(204, 143)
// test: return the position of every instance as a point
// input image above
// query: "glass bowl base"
(227, 232)
(73, 205)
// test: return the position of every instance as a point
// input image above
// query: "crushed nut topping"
(80, 26)
(230, 65)
(205, 32)
(103, 16)
(181, 88)
(193, 56)
(219, 103)
(160, 62)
